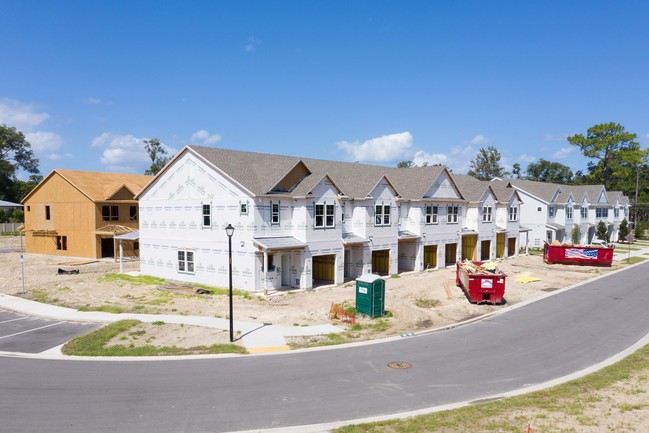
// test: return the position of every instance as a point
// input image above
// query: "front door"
(430, 256)
(107, 247)
(500, 245)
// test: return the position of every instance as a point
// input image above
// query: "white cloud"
(386, 148)
(20, 115)
(44, 141)
(252, 44)
(421, 158)
(205, 138)
(479, 140)
(563, 153)
(93, 101)
(527, 158)
(125, 153)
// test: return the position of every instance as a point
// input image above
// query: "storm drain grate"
(399, 365)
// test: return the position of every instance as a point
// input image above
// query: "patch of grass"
(39, 296)
(63, 289)
(105, 308)
(569, 399)
(93, 344)
(140, 280)
(379, 325)
(395, 276)
(632, 260)
(222, 291)
(158, 322)
(426, 302)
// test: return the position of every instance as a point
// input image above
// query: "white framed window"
(274, 214)
(452, 213)
(207, 215)
(186, 261)
(569, 212)
(486, 214)
(382, 215)
(584, 212)
(616, 212)
(551, 211)
(324, 216)
(243, 208)
(431, 214)
(539, 209)
(601, 212)
(513, 213)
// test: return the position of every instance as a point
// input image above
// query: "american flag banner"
(578, 253)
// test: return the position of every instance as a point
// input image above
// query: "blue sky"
(369, 81)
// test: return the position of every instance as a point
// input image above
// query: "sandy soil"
(416, 301)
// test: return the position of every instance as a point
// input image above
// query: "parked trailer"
(486, 287)
(590, 255)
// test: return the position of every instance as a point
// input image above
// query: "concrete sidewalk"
(256, 337)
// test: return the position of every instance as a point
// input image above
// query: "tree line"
(616, 161)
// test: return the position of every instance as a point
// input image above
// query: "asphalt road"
(551, 338)
(26, 334)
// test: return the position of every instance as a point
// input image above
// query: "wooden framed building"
(77, 213)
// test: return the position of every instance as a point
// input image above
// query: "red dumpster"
(482, 286)
(592, 255)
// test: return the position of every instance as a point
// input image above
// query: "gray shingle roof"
(260, 172)
(471, 188)
(542, 190)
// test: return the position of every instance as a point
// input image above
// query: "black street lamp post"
(229, 230)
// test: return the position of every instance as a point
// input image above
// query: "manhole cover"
(399, 365)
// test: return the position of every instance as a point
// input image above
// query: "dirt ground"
(415, 301)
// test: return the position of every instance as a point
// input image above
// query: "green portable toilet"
(370, 295)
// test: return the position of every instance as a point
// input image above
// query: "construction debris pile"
(490, 267)
(556, 243)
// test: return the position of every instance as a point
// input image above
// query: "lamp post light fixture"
(229, 230)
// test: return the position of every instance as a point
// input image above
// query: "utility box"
(370, 295)
(480, 286)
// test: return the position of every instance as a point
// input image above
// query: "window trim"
(244, 208)
(275, 221)
(551, 211)
(452, 214)
(325, 215)
(569, 212)
(513, 213)
(432, 217)
(185, 261)
(486, 214)
(208, 215)
(384, 218)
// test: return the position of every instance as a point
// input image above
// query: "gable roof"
(543, 191)
(97, 186)
(472, 189)
(258, 173)
(504, 191)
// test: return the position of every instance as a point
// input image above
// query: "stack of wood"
(490, 267)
